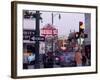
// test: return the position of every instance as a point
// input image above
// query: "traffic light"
(85, 35)
(81, 27)
(77, 34)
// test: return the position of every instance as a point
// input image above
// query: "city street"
(55, 41)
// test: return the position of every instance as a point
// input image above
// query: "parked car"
(67, 59)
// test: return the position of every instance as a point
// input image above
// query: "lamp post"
(37, 64)
(53, 15)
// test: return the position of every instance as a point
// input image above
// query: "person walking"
(84, 59)
(50, 60)
(31, 58)
(44, 58)
(25, 59)
(78, 58)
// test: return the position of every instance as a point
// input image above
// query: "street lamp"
(53, 15)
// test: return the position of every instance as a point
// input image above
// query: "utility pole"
(37, 15)
(52, 18)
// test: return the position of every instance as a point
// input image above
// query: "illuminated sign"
(49, 32)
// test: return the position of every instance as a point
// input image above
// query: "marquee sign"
(49, 30)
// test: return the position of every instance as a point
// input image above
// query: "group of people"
(82, 56)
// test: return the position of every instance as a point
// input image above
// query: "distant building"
(87, 28)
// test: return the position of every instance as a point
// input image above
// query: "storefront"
(51, 35)
(28, 45)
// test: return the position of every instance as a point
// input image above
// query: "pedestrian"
(50, 60)
(31, 58)
(84, 59)
(25, 59)
(88, 55)
(78, 58)
(44, 58)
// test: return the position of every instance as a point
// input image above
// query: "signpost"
(28, 34)
(37, 38)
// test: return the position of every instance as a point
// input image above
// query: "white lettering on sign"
(39, 38)
(49, 32)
